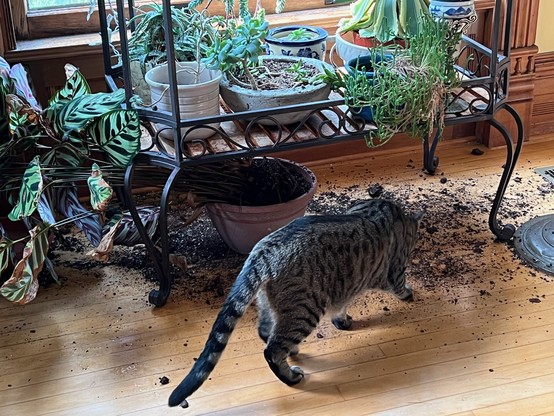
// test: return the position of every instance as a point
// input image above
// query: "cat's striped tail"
(241, 295)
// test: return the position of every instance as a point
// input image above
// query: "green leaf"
(22, 286)
(29, 194)
(75, 86)
(77, 113)
(5, 250)
(118, 135)
(100, 192)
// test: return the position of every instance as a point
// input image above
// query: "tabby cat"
(315, 264)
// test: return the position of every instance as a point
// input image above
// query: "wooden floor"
(481, 344)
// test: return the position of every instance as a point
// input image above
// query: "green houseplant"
(375, 23)
(385, 20)
(407, 90)
(252, 81)
(76, 128)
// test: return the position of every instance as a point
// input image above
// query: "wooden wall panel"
(542, 120)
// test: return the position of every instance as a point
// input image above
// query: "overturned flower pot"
(282, 200)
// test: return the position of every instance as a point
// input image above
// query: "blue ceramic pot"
(365, 64)
(312, 43)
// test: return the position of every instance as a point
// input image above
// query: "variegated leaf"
(118, 135)
(80, 111)
(29, 194)
(45, 210)
(5, 253)
(127, 233)
(64, 155)
(21, 84)
(67, 203)
(100, 192)
(75, 86)
(20, 113)
(22, 286)
(103, 250)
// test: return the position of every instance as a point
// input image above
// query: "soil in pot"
(278, 85)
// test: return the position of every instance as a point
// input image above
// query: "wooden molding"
(542, 117)
(7, 32)
(522, 72)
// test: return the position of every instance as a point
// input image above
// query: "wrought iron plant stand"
(483, 92)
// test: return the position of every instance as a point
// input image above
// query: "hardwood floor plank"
(533, 406)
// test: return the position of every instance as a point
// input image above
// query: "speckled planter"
(243, 99)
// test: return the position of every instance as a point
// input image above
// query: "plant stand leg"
(160, 258)
(430, 161)
(504, 233)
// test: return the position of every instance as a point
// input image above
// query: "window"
(34, 5)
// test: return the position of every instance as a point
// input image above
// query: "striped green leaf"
(77, 113)
(29, 194)
(75, 86)
(100, 192)
(5, 253)
(118, 134)
(22, 286)
(68, 204)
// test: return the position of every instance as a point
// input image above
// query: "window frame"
(46, 23)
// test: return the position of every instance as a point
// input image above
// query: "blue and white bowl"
(313, 46)
(452, 9)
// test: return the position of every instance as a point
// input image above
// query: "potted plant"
(407, 87)
(409, 92)
(297, 40)
(77, 128)
(198, 87)
(376, 23)
(271, 193)
(251, 81)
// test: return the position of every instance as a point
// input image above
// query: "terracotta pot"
(241, 227)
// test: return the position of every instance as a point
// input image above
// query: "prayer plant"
(46, 156)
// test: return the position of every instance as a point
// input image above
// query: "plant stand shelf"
(482, 94)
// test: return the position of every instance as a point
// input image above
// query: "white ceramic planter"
(198, 96)
(243, 99)
(313, 45)
(345, 49)
(460, 13)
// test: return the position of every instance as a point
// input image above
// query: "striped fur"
(314, 265)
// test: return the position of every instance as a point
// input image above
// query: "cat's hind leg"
(276, 353)
(288, 333)
(342, 320)
(265, 317)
